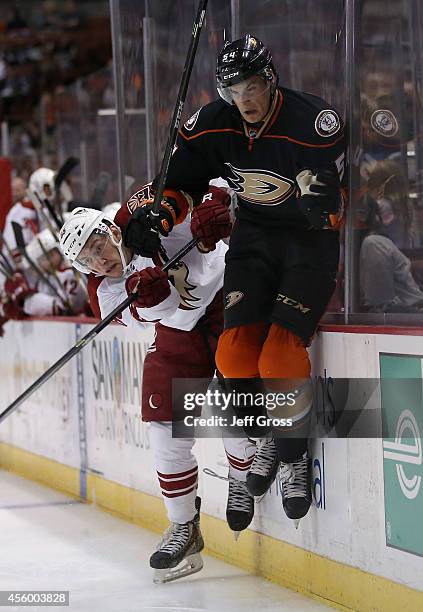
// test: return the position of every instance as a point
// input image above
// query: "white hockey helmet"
(40, 178)
(112, 208)
(78, 227)
(48, 242)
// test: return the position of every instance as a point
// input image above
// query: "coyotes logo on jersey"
(140, 198)
(178, 276)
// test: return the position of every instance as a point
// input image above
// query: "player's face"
(101, 256)
(18, 190)
(252, 98)
(51, 261)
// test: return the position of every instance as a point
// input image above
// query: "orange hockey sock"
(238, 350)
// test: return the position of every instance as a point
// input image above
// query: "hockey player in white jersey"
(55, 292)
(186, 305)
(25, 213)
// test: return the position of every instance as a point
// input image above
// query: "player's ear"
(116, 231)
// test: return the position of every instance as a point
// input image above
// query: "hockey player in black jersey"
(283, 153)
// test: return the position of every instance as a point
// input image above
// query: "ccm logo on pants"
(290, 302)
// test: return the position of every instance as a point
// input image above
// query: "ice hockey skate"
(178, 554)
(264, 467)
(296, 488)
(239, 507)
(240, 504)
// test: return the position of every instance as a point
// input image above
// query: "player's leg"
(285, 367)
(308, 281)
(177, 554)
(250, 289)
(240, 505)
(239, 451)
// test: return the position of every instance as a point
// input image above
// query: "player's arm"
(135, 217)
(321, 180)
(156, 297)
(105, 296)
(43, 305)
(191, 167)
(16, 293)
(194, 162)
(211, 220)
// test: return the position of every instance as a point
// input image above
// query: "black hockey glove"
(320, 195)
(141, 233)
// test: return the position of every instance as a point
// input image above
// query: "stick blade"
(65, 169)
(17, 230)
(100, 190)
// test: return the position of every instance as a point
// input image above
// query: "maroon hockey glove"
(151, 285)
(210, 221)
(3, 320)
(16, 287)
(14, 310)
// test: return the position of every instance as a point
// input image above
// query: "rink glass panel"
(363, 56)
(385, 147)
(86, 129)
(151, 40)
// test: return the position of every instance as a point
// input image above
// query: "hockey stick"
(63, 171)
(17, 230)
(100, 190)
(177, 113)
(3, 270)
(39, 205)
(6, 263)
(8, 249)
(58, 220)
(61, 175)
(54, 273)
(88, 337)
(13, 268)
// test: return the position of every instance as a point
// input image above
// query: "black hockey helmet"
(241, 59)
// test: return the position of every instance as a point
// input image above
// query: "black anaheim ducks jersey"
(259, 163)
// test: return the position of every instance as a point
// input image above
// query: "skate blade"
(190, 565)
(236, 535)
(296, 523)
(258, 498)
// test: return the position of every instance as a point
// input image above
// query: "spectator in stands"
(16, 21)
(70, 16)
(386, 280)
(59, 46)
(48, 18)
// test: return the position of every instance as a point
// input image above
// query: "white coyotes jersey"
(195, 280)
(25, 215)
(45, 302)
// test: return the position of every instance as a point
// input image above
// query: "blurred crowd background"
(45, 47)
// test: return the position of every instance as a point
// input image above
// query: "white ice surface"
(51, 542)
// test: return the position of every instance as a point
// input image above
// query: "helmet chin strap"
(118, 245)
